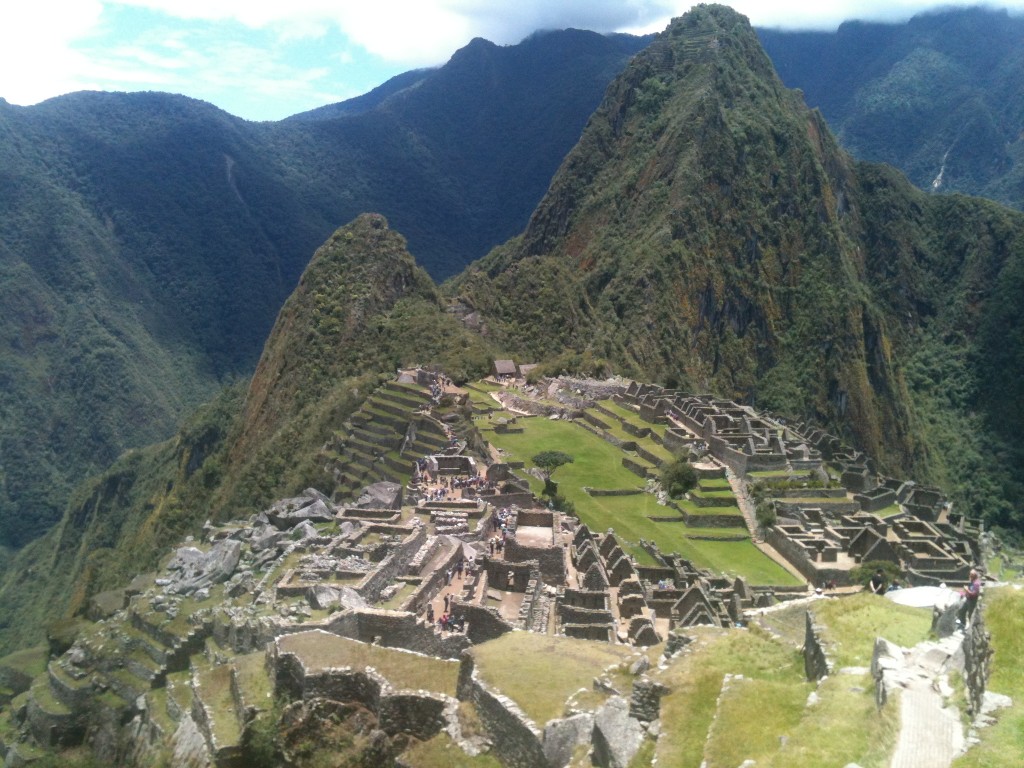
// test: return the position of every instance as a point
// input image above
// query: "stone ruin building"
(438, 532)
(822, 532)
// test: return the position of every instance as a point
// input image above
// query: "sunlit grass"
(844, 727)
(1002, 744)
(540, 672)
(402, 669)
(695, 681)
(852, 624)
(598, 464)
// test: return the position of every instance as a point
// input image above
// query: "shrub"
(678, 478)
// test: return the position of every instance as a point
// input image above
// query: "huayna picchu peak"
(708, 230)
(716, 463)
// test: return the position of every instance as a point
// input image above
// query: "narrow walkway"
(931, 734)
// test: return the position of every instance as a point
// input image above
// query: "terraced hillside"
(383, 439)
(615, 453)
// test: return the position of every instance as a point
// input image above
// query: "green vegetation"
(768, 707)
(696, 681)
(401, 668)
(549, 461)
(442, 752)
(1001, 743)
(679, 478)
(596, 460)
(147, 241)
(852, 624)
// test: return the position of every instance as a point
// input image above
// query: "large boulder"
(323, 597)
(192, 569)
(382, 495)
(265, 537)
(617, 736)
(312, 506)
(561, 737)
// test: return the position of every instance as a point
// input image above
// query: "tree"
(862, 573)
(548, 462)
(678, 477)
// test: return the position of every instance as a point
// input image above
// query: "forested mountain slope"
(940, 97)
(148, 240)
(708, 231)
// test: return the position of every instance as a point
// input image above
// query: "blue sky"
(267, 60)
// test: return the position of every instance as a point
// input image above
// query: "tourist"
(877, 583)
(969, 598)
(430, 613)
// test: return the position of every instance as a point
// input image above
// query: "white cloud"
(36, 58)
(418, 32)
(48, 47)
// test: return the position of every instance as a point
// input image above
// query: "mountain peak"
(691, 232)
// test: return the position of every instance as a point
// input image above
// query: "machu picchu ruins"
(434, 536)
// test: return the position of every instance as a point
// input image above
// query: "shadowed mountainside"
(940, 97)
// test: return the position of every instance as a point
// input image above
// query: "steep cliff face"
(705, 229)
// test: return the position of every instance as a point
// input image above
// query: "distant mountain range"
(147, 241)
(940, 97)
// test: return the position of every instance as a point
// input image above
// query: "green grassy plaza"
(598, 464)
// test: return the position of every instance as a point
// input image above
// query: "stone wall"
(800, 560)
(523, 499)
(640, 470)
(977, 657)
(648, 456)
(635, 431)
(608, 437)
(612, 491)
(392, 566)
(550, 560)
(396, 629)
(421, 714)
(591, 419)
(571, 614)
(482, 623)
(536, 517)
(714, 521)
(432, 584)
(816, 661)
(515, 739)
